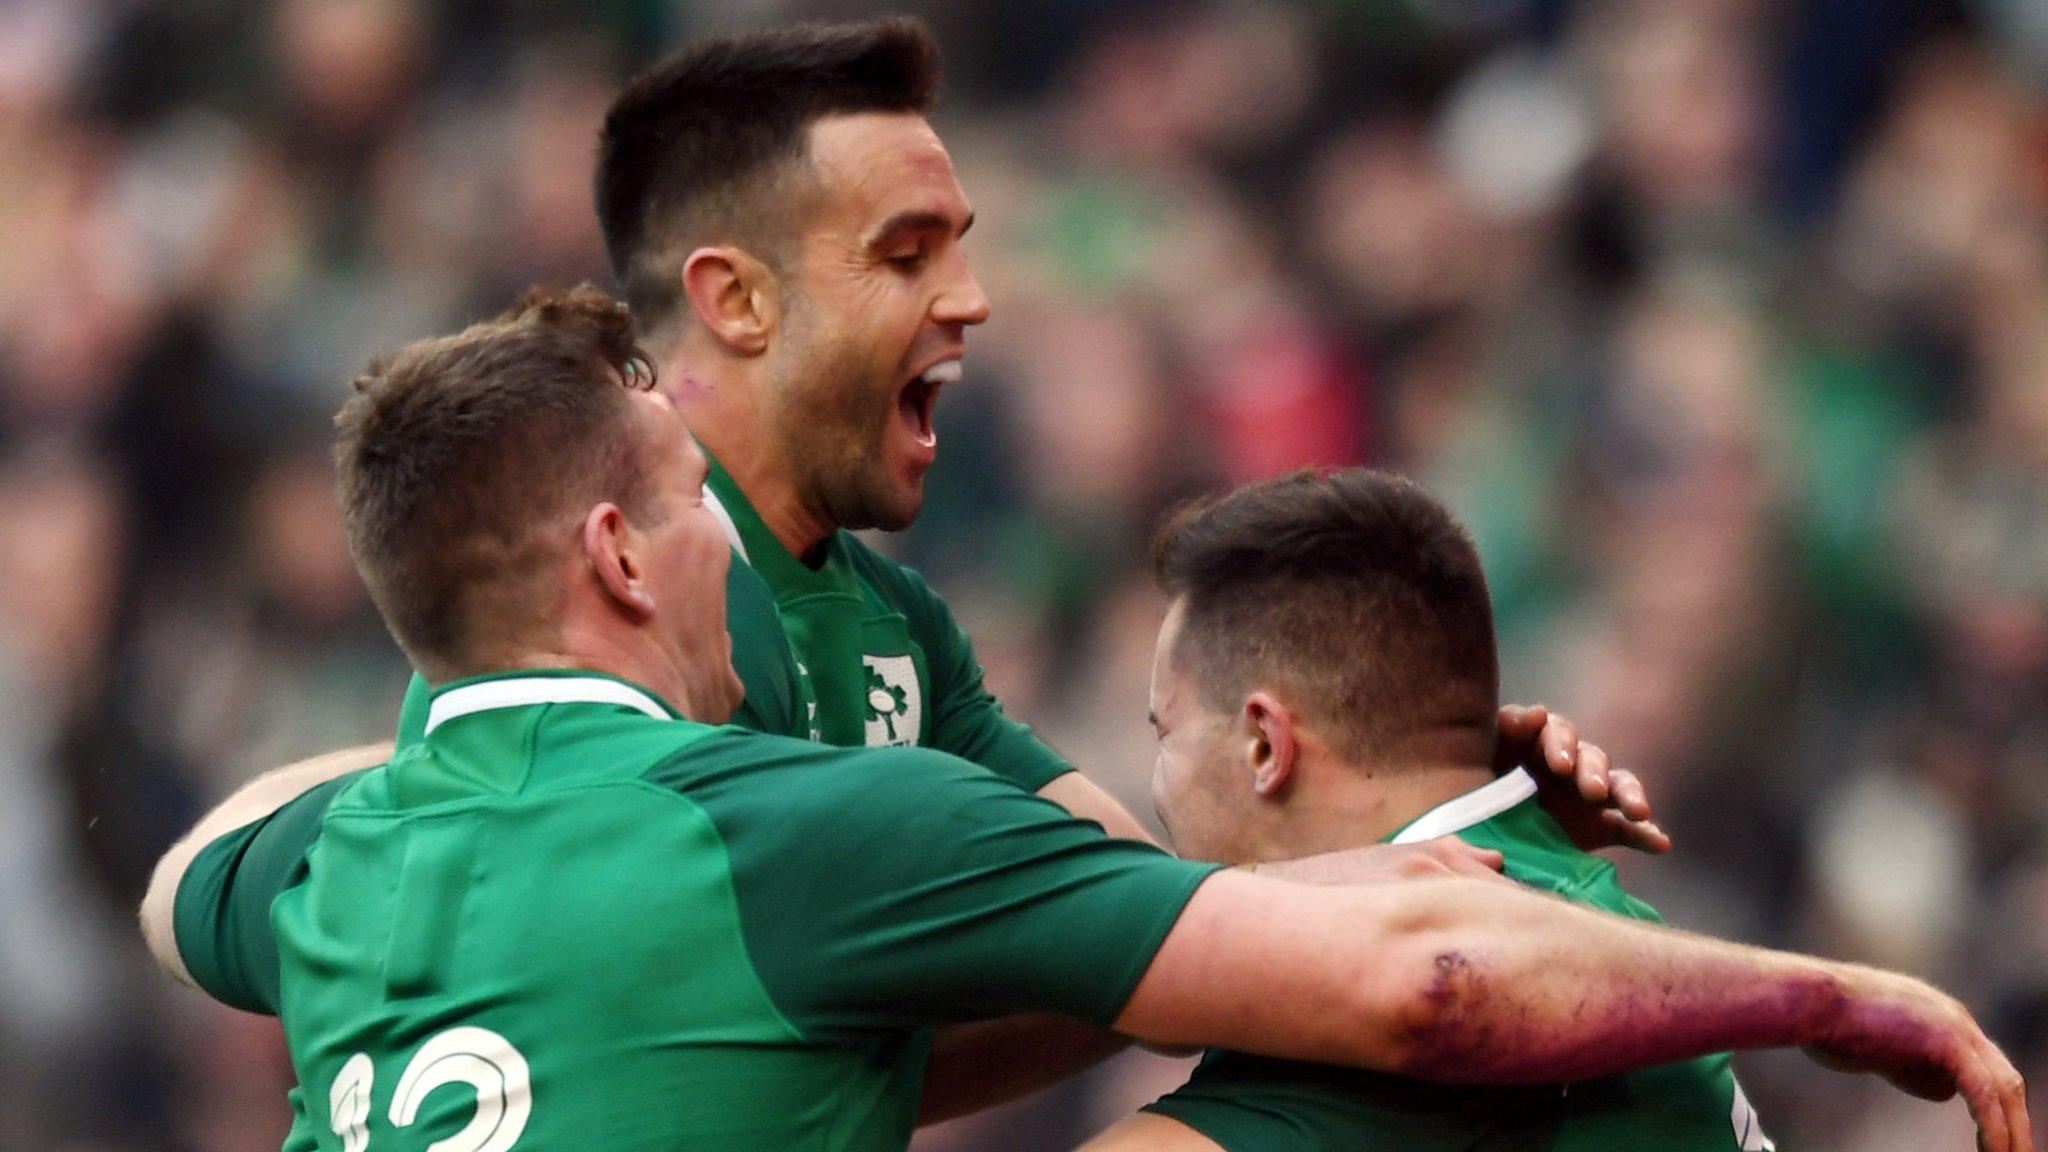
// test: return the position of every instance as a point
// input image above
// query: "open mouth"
(915, 403)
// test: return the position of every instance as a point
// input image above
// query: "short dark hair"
(466, 460)
(1354, 593)
(692, 151)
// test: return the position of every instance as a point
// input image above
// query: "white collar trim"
(725, 520)
(1474, 807)
(526, 691)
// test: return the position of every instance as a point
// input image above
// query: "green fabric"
(930, 889)
(221, 916)
(884, 659)
(1255, 1104)
(694, 938)
(775, 703)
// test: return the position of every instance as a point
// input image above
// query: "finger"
(1623, 787)
(1979, 1090)
(2012, 1095)
(1994, 1133)
(1645, 836)
(1595, 776)
(1520, 723)
(2020, 1121)
(1560, 742)
(1641, 835)
(1465, 859)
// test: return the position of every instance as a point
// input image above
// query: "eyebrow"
(916, 220)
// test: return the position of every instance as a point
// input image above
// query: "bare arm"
(981, 1065)
(1081, 797)
(1150, 1132)
(253, 801)
(1464, 981)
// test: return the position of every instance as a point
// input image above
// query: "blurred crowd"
(1722, 323)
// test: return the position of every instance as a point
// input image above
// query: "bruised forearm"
(1524, 988)
(1467, 981)
(991, 1062)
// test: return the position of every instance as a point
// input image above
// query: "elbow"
(1438, 1012)
(1420, 1002)
(157, 915)
(1433, 1010)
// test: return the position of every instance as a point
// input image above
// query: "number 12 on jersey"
(476, 1057)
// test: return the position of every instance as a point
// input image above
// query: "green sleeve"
(899, 887)
(1251, 1103)
(967, 720)
(221, 916)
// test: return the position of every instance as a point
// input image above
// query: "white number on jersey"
(348, 1103)
(1749, 1130)
(476, 1057)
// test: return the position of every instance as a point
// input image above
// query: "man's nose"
(963, 301)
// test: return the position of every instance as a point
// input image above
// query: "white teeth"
(945, 373)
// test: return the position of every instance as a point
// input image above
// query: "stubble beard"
(834, 431)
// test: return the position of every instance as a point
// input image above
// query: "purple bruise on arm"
(1479, 1033)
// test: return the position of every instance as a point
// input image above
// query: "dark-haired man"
(574, 915)
(786, 227)
(1327, 677)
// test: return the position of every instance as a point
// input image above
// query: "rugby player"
(785, 225)
(576, 915)
(1326, 677)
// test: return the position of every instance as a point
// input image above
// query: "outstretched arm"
(1470, 982)
(253, 801)
(982, 1065)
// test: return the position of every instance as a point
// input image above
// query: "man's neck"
(727, 414)
(1358, 806)
(628, 658)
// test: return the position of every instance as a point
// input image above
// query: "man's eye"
(908, 261)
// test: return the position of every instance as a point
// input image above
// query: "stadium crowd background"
(1724, 324)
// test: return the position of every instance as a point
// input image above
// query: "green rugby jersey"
(857, 652)
(1254, 1104)
(566, 919)
(882, 657)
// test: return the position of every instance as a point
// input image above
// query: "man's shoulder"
(732, 754)
(1540, 855)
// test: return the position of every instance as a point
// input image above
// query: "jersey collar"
(755, 544)
(524, 690)
(725, 521)
(1474, 807)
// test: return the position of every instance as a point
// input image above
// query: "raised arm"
(252, 802)
(1465, 981)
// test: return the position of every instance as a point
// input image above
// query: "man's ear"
(735, 297)
(1274, 748)
(609, 546)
